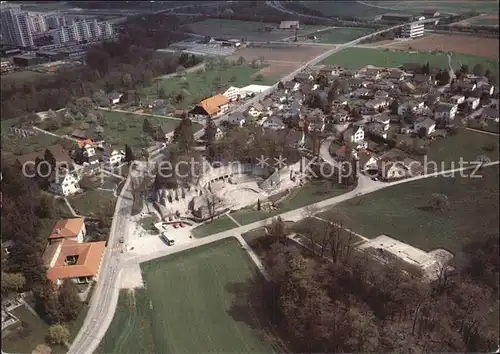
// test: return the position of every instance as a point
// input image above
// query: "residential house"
(367, 162)
(87, 147)
(377, 103)
(289, 25)
(64, 182)
(68, 229)
(256, 109)
(316, 122)
(472, 102)
(274, 123)
(406, 128)
(354, 83)
(384, 119)
(291, 86)
(391, 170)
(70, 260)
(329, 70)
(163, 132)
(395, 75)
(237, 119)
(426, 124)
(303, 78)
(422, 78)
(410, 107)
(354, 134)
(445, 112)
(376, 129)
(411, 68)
(342, 152)
(372, 73)
(210, 107)
(457, 99)
(58, 157)
(114, 97)
(486, 87)
(79, 134)
(231, 93)
(219, 133)
(340, 117)
(113, 156)
(466, 86)
(381, 94)
(363, 93)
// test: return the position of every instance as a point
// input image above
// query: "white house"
(114, 97)
(457, 99)
(256, 110)
(232, 93)
(354, 134)
(377, 103)
(274, 123)
(383, 119)
(445, 111)
(472, 102)
(113, 157)
(63, 182)
(254, 89)
(237, 119)
(291, 86)
(219, 134)
(409, 106)
(428, 124)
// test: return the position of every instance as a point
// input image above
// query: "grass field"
(346, 8)
(485, 21)
(356, 58)
(26, 76)
(341, 35)
(402, 212)
(93, 202)
(195, 302)
(199, 85)
(442, 6)
(19, 145)
(248, 30)
(220, 224)
(131, 330)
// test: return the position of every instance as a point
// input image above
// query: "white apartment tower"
(15, 27)
(412, 30)
(83, 31)
(37, 22)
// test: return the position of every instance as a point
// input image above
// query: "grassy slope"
(401, 212)
(342, 35)
(359, 57)
(192, 296)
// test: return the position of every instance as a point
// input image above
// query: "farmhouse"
(64, 182)
(68, 229)
(445, 112)
(289, 25)
(112, 156)
(210, 107)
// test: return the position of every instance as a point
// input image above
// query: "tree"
(277, 231)
(479, 70)
(258, 204)
(439, 201)
(68, 119)
(464, 69)
(58, 334)
(70, 304)
(51, 114)
(147, 127)
(47, 302)
(394, 107)
(12, 282)
(241, 61)
(212, 203)
(184, 135)
(129, 155)
(443, 77)
(422, 132)
(46, 207)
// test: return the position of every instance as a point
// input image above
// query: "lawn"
(93, 203)
(220, 224)
(148, 222)
(26, 339)
(357, 58)
(442, 6)
(466, 145)
(200, 302)
(489, 126)
(310, 193)
(199, 85)
(20, 145)
(402, 212)
(25, 76)
(131, 330)
(342, 35)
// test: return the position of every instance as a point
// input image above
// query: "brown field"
(485, 47)
(281, 60)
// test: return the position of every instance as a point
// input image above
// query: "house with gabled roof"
(68, 229)
(210, 107)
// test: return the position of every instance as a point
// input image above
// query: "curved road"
(105, 297)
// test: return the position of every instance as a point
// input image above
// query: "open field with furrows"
(356, 58)
(246, 30)
(403, 212)
(446, 6)
(484, 47)
(197, 301)
(345, 8)
(196, 86)
(281, 60)
(485, 20)
(339, 35)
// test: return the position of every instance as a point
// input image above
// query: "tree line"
(337, 299)
(23, 269)
(122, 65)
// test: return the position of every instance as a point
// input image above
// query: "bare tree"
(212, 203)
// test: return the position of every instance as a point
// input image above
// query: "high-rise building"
(83, 31)
(15, 27)
(55, 21)
(37, 22)
(413, 30)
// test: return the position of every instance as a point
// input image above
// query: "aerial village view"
(250, 176)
